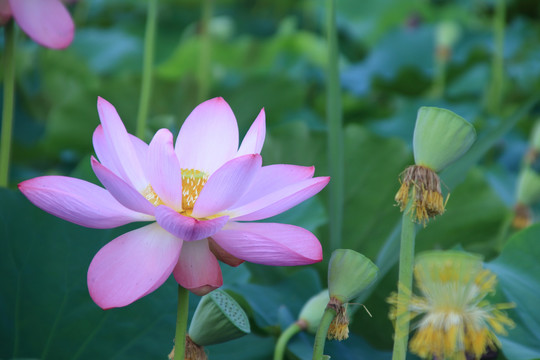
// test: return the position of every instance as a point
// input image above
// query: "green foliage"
(518, 271)
(272, 54)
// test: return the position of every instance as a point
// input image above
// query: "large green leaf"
(518, 271)
(45, 306)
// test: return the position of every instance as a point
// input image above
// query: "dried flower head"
(192, 351)
(422, 186)
(522, 216)
(458, 322)
(339, 327)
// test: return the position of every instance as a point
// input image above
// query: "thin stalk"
(7, 113)
(497, 65)
(406, 263)
(439, 80)
(181, 323)
(322, 331)
(284, 338)
(205, 64)
(148, 62)
(504, 230)
(335, 130)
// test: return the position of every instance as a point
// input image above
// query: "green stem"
(406, 263)
(322, 331)
(7, 113)
(181, 323)
(148, 61)
(284, 338)
(439, 81)
(335, 130)
(504, 230)
(497, 66)
(205, 65)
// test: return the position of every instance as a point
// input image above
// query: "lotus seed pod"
(313, 310)
(349, 273)
(528, 186)
(218, 318)
(447, 34)
(440, 137)
(535, 137)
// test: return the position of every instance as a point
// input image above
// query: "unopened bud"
(313, 310)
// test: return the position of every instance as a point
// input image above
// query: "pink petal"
(47, 22)
(208, 138)
(188, 228)
(121, 149)
(105, 153)
(122, 191)
(222, 255)
(270, 243)
(278, 201)
(254, 139)
(78, 201)
(141, 150)
(226, 185)
(198, 270)
(163, 169)
(132, 266)
(273, 178)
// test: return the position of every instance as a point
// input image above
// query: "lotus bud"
(440, 137)
(311, 313)
(218, 318)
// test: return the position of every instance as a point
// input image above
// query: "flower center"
(192, 183)
(151, 196)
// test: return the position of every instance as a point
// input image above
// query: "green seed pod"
(313, 310)
(528, 186)
(447, 34)
(218, 318)
(535, 136)
(349, 273)
(440, 137)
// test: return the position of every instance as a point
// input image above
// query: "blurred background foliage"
(273, 54)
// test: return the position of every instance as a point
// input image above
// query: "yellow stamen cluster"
(458, 322)
(339, 327)
(151, 196)
(424, 187)
(192, 183)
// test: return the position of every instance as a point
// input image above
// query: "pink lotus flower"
(201, 195)
(47, 22)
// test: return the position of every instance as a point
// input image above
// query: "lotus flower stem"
(205, 66)
(284, 338)
(7, 113)
(335, 130)
(320, 338)
(181, 323)
(406, 263)
(497, 65)
(148, 61)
